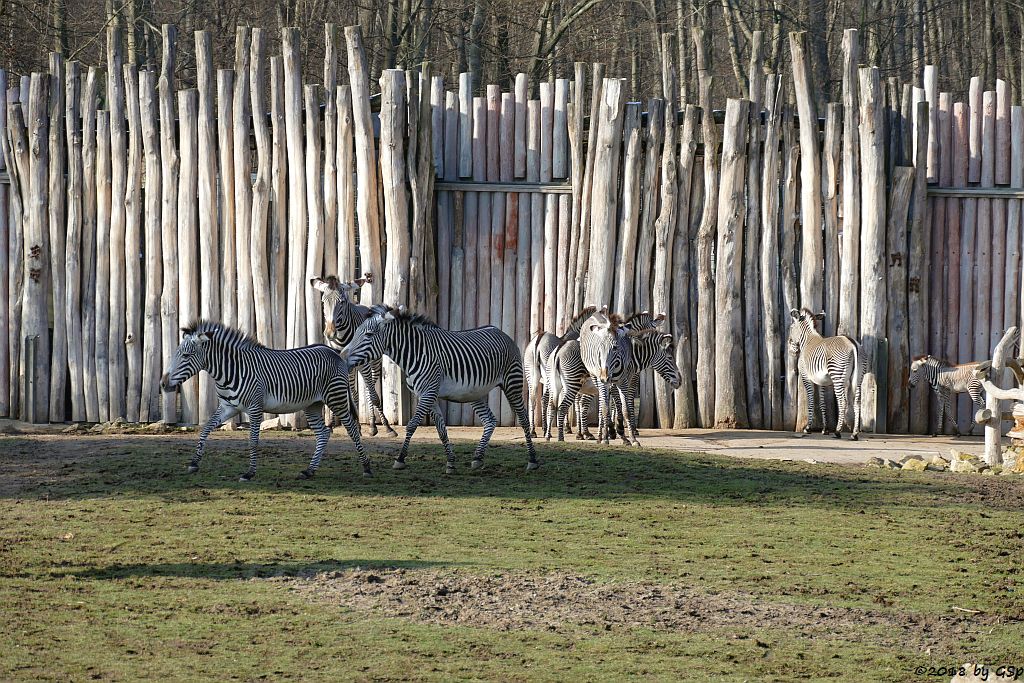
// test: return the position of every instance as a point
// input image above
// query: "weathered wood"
(560, 169)
(449, 133)
(998, 218)
(849, 275)
(896, 292)
(752, 327)
(151, 333)
(330, 182)
(472, 315)
(772, 370)
(872, 252)
(653, 133)
(437, 122)
(831, 160)
(1011, 309)
(730, 389)
(168, 214)
(259, 268)
(89, 206)
(73, 262)
(604, 197)
(560, 138)
(811, 275)
(959, 281)
(187, 247)
(974, 163)
(279, 205)
(315, 214)
(118, 181)
(209, 239)
(57, 235)
(297, 226)
(793, 417)
(931, 93)
(951, 272)
(917, 266)
(983, 239)
(511, 231)
(574, 124)
(226, 168)
(14, 143)
(6, 226)
(1002, 160)
(524, 243)
(102, 283)
(536, 219)
(346, 188)
(1002, 351)
(550, 209)
(685, 407)
(491, 242)
(706, 245)
(133, 248)
(366, 168)
(937, 261)
(396, 211)
(522, 96)
(583, 253)
(626, 256)
(466, 126)
(245, 315)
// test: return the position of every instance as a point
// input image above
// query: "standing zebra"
(825, 361)
(253, 379)
(947, 380)
(605, 353)
(341, 319)
(536, 362)
(461, 366)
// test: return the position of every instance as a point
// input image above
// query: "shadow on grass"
(244, 570)
(155, 467)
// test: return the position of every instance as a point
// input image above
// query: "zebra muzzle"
(329, 330)
(165, 383)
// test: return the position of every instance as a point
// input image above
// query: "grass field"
(606, 564)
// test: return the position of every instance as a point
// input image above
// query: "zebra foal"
(824, 362)
(461, 366)
(946, 380)
(254, 379)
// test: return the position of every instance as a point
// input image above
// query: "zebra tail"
(556, 381)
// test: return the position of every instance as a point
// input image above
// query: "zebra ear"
(666, 341)
(794, 313)
(318, 284)
(819, 316)
(203, 337)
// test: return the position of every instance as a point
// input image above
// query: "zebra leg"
(487, 417)
(856, 412)
(941, 422)
(515, 401)
(442, 431)
(580, 408)
(425, 403)
(615, 399)
(371, 375)
(951, 412)
(339, 401)
(979, 404)
(314, 416)
(809, 389)
(255, 420)
(839, 384)
(221, 415)
(569, 391)
(821, 410)
(602, 411)
(629, 413)
(545, 412)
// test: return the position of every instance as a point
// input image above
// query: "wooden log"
(792, 416)
(550, 209)
(1012, 289)
(685, 407)
(560, 169)
(811, 259)
(1002, 132)
(896, 292)
(583, 253)
(366, 169)
(437, 123)
(524, 244)
(346, 188)
(6, 227)
(315, 214)
(259, 267)
(102, 283)
(473, 314)
(752, 327)
(151, 333)
(931, 93)
(168, 214)
(937, 261)
(983, 243)
(769, 251)
(653, 135)
(417, 154)
(72, 318)
(431, 111)
(279, 204)
(510, 240)
(560, 133)
(466, 125)
(974, 162)
(134, 292)
(118, 181)
(448, 212)
(396, 211)
(522, 96)
(89, 205)
(226, 167)
(917, 266)
(849, 275)
(706, 245)
(496, 239)
(209, 239)
(955, 174)
(629, 222)
(604, 196)
(446, 246)
(830, 166)
(574, 124)
(536, 219)
(244, 312)
(187, 246)
(1002, 351)
(960, 271)
(14, 143)
(330, 187)
(998, 216)
(872, 246)
(297, 284)
(57, 236)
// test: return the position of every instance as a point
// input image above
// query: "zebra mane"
(413, 319)
(640, 335)
(332, 282)
(926, 356)
(636, 316)
(223, 333)
(577, 322)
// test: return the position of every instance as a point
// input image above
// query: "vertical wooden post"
(261, 192)
(315, 211)
(574, 124)
(810, 177)
(769, 249)
(226, 162)
(898, 349)
(583, 253)
(625, 255)
(993, 427)
(511, 238)
(187, 251)
(14, 143)
(931, 93)
(1001, 163)
(1015, 297)
(1002, 132)
(296, 306)
(209, 242)
(550, 208)
(524, 243)
(151, 333)
(118, 182)
(948, 176)
(917, 267)
(983, 243)
(872, 265)
(793, 416)
(6, 226)
(245, 316)
(102, 282)
(445, 124)
(473, 314)
(654, 134)
(830, 166)
(974, 161)
(73, 264)
(559, 170)
(683, 399)
(730, 391)
(752, 325)
(536, 219)
(90, 382)
(133, 247)
(330, 193)
(346, 188)
(849, 276)
(962, 278)
(706, 243)
(466, 126)
(169, 213)
(496, 241)
(279, 204)
(57, 236)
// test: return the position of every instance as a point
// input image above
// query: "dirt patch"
(559, 602)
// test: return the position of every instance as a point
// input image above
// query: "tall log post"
(102, 282)
(683, 399)
(849, 276)
(899, 349)
(330, 190)
(57, 229)
(794, 416)
(917, 266)
(73, 244)
(90, 384)
(209, 241)
(151, 333)
(187, 248)
(810, 177)
(769, 250)
(279, 204)
(168, 215)
(6, 226)
(346, 188)
(226, 166)
(586, 202)
(115, 330)
(752, 325)
(259, 263)
(244, 311)
(315, 212)
(14, 143)
(626, 255)
(134, 293)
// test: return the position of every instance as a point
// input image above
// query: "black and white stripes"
(947, 380)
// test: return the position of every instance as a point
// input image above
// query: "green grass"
(114, 564)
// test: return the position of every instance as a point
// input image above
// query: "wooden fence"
(890, 212)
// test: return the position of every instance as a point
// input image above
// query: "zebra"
(254, 379)
(826, 361)
(605, 354)
(461, 366)
(536, 359)
(341, 318)
(649, 348)
(947, 379)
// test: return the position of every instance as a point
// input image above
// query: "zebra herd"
(600, 355)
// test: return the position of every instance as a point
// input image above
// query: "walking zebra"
(946, 380)
(536, 362)
(460, 366)
(253, 379)
(605, 353)
(341, 319)
(649, 348)
(825, 361)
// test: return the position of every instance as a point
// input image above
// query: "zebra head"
(334, 296)
(656, 350)
(802, 327)
(368, 342)
(644, 320)
(918, 364)
(191, 356)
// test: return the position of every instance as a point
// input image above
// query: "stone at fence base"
(876, 462)
(965, 462)
(939, 461)
(914, 465)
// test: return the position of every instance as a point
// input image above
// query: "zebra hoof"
(367, 474)
(548, 437)
(476, 464)
(392, 433)
(636, 444)
(247, 476)
(837, 435)
(530, 466)
(854, 437)
(306, 473)
(450, 469)
(626, 442)
(373, 430)
(580, 437)
(587, 436)
(398, 465)
(192, 469)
